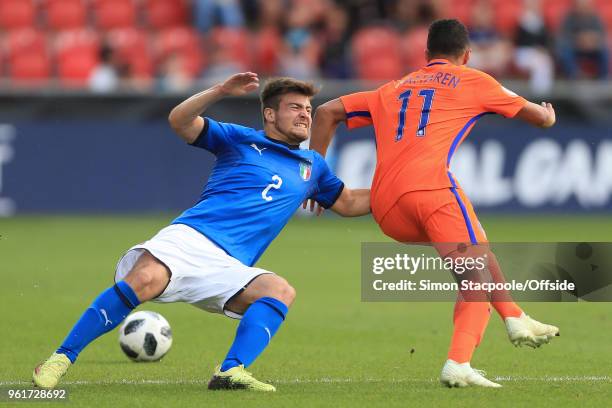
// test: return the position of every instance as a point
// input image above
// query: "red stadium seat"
(413, 45)
(27, 40)
(16, 14)
(183, 41)
(77, 53)
(507, 14)
(461, 10)
(267, 44)
(27, 55)
(236, 41)
(604, 9)
(112, 14)
(554, 12)
(166, 13)
(66, 14)
(376, 53)
(32, 68)
(132, 46)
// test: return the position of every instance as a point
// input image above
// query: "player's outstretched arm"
(538, 115)
(185, 118)
(352, 203)
(326, 119)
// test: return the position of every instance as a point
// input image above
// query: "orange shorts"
(432, 216)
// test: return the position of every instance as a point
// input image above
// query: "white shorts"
(203, 274)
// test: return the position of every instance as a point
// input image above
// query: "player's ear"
(269, 115)
(466, 55)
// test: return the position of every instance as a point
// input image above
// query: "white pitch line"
(325, 380)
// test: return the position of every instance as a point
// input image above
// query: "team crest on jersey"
(305, 170)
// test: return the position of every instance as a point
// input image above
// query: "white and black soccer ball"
(145, 336)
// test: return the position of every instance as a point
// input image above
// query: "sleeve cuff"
(200, 139)
(332, 202)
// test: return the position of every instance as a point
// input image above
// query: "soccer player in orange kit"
(419, 122)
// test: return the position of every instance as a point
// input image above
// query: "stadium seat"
(111, 14)
(26, 40)
(66, 14)
(166, 13)
(413, 45)
(604, 9)
(507, 14)
(132, 46)
(236, 41)
(16, 14)
(184, 41)
(554, 12)
(460, 9)
(27, 55)
(267, 44)
(77, 53)
(376, 53)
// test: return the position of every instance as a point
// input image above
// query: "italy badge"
(305, 170)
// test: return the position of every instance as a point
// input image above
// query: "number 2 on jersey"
(427, 95)
(278, 182)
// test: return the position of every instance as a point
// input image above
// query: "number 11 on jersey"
(427, 95)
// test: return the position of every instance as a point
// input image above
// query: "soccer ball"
(145, 336)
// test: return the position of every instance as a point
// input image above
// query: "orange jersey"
(420, 121)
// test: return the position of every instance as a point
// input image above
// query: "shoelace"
(55, 366)
(482, 373)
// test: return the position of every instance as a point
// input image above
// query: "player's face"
(294, 117)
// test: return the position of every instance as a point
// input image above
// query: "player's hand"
(240, 84)
(310, 204)
(552, 118)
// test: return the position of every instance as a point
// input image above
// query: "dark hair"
(447, 37)
(277, 87)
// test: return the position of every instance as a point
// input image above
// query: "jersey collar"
(437, 61)
(280, 142)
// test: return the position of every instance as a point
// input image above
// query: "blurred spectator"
(107, 76)
(532, 52)
(335, 36)
(582, 42)
(209, 13)
(490, 51)
(222, 65)
(174, 75)
(300, 52)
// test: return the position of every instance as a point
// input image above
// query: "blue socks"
(257, 327)
(105, 313)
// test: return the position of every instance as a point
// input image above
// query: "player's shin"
(502, 301)
(257, 327)
(109, 309)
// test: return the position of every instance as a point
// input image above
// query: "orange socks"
(470, 320)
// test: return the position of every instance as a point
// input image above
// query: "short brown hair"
(277, 87)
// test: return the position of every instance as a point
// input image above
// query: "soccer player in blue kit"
(206, 256)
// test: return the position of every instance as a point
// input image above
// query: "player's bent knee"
(284, 292)
(148, 278)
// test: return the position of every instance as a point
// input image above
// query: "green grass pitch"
(334, 350)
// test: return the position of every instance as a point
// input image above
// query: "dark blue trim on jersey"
(280, 142)
(332, 202)
(460, 135)
(466, 216)
(202, 134)
(437, 63)
(354, 114)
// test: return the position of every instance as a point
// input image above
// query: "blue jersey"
(254, 189)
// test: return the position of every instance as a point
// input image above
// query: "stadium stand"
(145, 33)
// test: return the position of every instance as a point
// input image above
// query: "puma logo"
(108, 321)
(254, 146)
